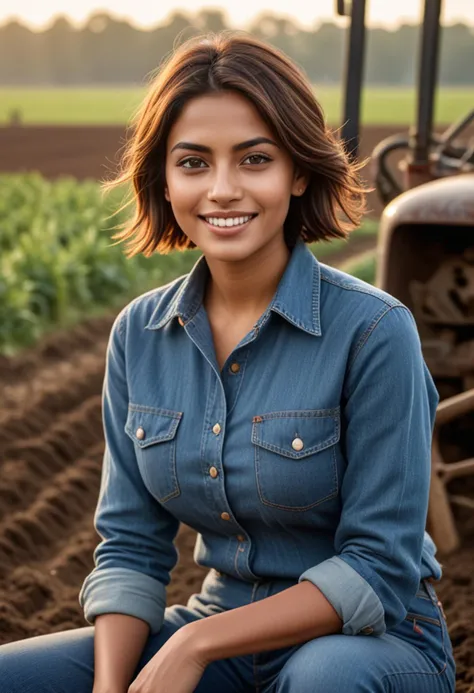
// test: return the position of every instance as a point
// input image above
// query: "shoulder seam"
(375, 321)
(361, 290)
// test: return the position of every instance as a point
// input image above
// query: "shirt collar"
(296, 298)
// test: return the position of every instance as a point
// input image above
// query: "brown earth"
(51, 446)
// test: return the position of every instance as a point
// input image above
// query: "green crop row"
(58, 262)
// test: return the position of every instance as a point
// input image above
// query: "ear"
(300, 183)
(167, 195)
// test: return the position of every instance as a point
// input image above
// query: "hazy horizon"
(140, 13)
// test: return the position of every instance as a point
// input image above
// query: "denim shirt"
(306, 457)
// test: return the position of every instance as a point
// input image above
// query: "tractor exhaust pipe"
(354, 73)
(420, 142)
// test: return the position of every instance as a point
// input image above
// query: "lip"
(228, 215)
(226, 231)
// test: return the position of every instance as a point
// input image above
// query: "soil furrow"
(56, 347)
(67, 433)
(55, 389)
(34, 533)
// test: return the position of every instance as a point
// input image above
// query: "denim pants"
(415, 657)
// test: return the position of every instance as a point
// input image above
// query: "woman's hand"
(177, 667)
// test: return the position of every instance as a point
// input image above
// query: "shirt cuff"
(123, 591)
(354, 600)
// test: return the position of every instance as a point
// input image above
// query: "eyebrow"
(236, 148)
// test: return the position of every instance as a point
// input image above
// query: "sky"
(38, 13)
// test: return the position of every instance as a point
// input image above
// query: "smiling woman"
(239, 188)
(278, 406)
(251, 104)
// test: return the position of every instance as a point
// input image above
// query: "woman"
(278, 406)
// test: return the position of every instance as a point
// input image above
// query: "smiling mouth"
(229, 222)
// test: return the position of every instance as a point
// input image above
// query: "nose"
(224, 187)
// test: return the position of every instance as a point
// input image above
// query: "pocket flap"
(316, 430)
(149, 425)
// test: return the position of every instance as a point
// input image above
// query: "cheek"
(184, 193)
(273, 190)
(274, 199)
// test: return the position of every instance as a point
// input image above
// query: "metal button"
(140, 433)
(240, 537)
(297, 444)
(213, 472)
(180, 320)
(367, 630)
(225, 516)
(216, 429)
(234, 367)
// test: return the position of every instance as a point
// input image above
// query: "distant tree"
(397, 57)
(325, 53)
(161, 41)
(210, 20)
(61, 56)
(111, 51)
(18, 54)
(457, 55)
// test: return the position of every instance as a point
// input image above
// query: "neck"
(246, 288)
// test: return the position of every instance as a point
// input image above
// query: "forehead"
(226, 116)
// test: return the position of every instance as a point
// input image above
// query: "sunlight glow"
(143, 13)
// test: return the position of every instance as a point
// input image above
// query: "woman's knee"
(60, 662)
(328, 665)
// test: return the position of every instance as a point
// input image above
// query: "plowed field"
(51, 444)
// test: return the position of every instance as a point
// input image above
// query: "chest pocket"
(154, 433)
(295, 457)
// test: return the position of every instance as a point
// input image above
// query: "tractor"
(425, 258)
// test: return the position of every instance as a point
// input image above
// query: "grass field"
(102, 106)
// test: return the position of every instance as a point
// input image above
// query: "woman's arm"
(389, 406)
(118, 644)
(291, 617)
(127, 587)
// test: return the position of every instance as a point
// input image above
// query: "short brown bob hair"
(334, 200)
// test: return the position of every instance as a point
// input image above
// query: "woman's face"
(224, 166)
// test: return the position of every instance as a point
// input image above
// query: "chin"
(230, 250)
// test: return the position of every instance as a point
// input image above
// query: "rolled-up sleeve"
(136, 555)
(389, 409)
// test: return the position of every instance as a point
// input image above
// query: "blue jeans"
(415, 657)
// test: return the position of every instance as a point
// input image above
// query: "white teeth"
(236, 221)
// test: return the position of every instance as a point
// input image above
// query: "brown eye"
(262, 158)
(191, 160)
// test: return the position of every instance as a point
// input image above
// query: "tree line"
(110, 51)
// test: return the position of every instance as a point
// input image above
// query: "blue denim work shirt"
(307, 456)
